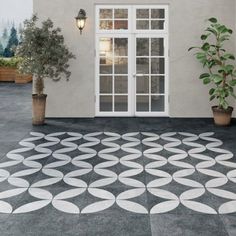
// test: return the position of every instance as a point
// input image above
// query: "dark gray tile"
(46, 222)
(6, 146)
(116, 222)
(184, 225)
(229, 223)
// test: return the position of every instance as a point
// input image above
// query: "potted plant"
(221, 72)
(44, 56)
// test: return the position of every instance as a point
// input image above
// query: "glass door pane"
(113, 72)
(150, 72)
(150, 19)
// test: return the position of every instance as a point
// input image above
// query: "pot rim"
(39, 95)
(217, 109)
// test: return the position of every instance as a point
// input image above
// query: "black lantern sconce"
(81, 19)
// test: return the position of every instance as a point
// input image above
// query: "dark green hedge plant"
(219, 63)
(44, 52)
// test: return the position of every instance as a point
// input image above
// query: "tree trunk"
(39, 85)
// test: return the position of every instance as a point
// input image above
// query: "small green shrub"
(10, 63)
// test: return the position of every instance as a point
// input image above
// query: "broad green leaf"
(212, 98)
(206, 81)
(205, 75)
(192, 48)
(211, 31)
(222, 28)
(233, 95)
(229, 56)
(204, 36)
(200, 55)
(217, 79)
(212, 90)
(224, 38)
(213, 20)
(229, 68)
(206, 47)
(225, 105)
(232, 82)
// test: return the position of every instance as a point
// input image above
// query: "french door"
(131, 60)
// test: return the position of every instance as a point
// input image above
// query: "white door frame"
(132, 34)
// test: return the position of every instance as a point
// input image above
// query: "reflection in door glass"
(142, 84)
(157, 24)
(105, 13)
(105, 84)
(106, 25)
(106, 66)
(121, 24)
(121, 84)
(106, 103)
(142, 13)
(158, 13)
(157, 103)
(157, 47)
(158, 66)
(142, 25)
(142, 48)
(158, 84)
(106, 47)
(121, 13)
(121, 47)
(121, 103)
(142, 65)
(142, 103)
(121, 65)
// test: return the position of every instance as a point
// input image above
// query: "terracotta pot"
(222, 117)
(39, 107)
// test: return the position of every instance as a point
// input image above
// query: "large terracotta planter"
(8, 74)
(222, 117)
(39, 107)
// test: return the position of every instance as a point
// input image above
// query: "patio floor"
(113, 176)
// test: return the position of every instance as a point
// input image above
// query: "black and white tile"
(139, 172)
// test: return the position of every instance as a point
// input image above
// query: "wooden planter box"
(11, 75)
(7, 74)
(22, 79)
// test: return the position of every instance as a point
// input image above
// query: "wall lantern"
(80, 20)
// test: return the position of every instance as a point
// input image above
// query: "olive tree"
(43, 52)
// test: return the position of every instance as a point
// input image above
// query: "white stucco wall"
(188, 97)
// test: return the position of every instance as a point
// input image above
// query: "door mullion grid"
(132, 34)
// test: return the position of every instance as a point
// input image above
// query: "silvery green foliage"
(43, 51)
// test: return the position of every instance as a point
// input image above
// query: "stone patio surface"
(113, 176)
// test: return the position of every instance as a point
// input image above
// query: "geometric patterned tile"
(143, 173)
